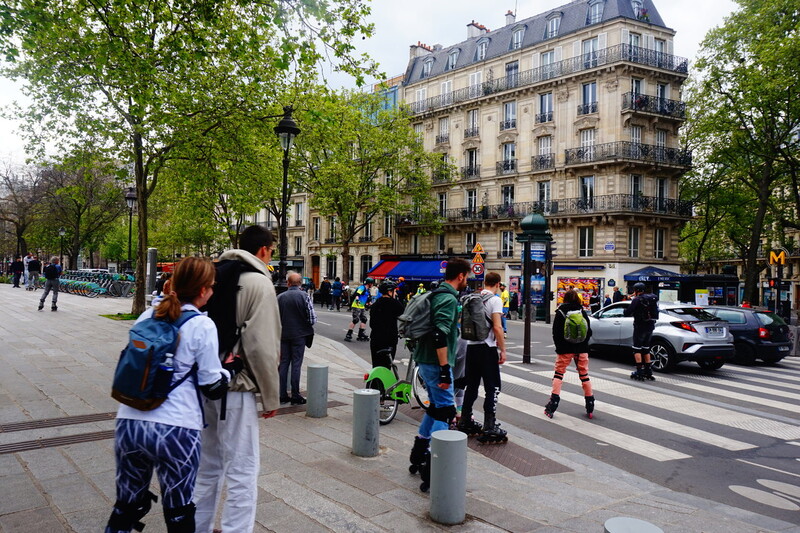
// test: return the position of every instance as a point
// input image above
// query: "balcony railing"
(606, 56)
(629, 151)
(443, 138)
(299, 223)
(654, 104)
(330, 240)
(365, 238)
(441, 176)
(544, 117)
(471, 172)
(509, 124)
(270, 225)
(543, 162)
(471, 132)
(508, 166)
(585, 109)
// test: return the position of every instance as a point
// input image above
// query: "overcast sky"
(398, 24)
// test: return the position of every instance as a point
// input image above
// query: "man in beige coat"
(230, 447)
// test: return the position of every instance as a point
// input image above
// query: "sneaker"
(54, 308)
(298, 400)
(41, 306)
(285, 399)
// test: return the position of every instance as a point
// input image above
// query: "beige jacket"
(260, 343)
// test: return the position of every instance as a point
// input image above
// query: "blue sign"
(611, 283)
(609, 247)
(538, 252)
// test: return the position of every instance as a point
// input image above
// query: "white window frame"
(636, 185)
(470, 239)
(426, 68)
(586, 241)
(595, 12)
(471, 199)
(298, 245)
(545, 144)
(442, 203)
(480, 51)
(388, 222)
(543, 191)
(316, 224)
(587, 190)
(507, 244)
(516, 38)
(452, 59)
(507, 195)
(634, 236)
(590, 49)
(659, 242)
(553, 25)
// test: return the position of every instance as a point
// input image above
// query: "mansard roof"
(574, 17)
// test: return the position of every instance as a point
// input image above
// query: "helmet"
(387, 286)
(638, 287)
(434, 285)
(401, 278)
(369, 280)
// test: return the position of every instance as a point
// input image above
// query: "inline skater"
(644, 310)
(361, 302)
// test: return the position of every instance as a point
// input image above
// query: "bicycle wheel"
(387, 407)
(420, 389)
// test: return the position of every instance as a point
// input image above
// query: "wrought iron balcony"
(508, 166)
(365, 238)
(471, 172)
(299, 223)
(443, 138)
(654, 104)
(509, 124)
(606, 56)
(471, 132)
(270, 225)
(585, 109)
(543, 162)
(626, 150)
(441, 176)
(331, 240)
(625, 203)
(544, 117)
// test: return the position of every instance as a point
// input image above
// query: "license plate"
(783, 348)
(714, 331)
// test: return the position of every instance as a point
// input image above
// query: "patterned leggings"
(582, 362)
(173, 451)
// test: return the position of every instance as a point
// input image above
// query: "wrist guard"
(444, 374)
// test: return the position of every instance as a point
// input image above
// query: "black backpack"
(649, 307)
(51, 272)
(221, 307)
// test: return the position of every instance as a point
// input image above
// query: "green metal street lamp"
(534, 230)
(130, 199)
(61, 233)
(286, 130)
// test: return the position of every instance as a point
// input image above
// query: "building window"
(509, 162)
(426, 68)
(472, 201)
(636, 185)
(587, 144)
(298, 214)
(298, 246)
(588, 98)
(590, 52)
(419, 130)
(633, 241)
(587, 192)
(545, 108)
(422, 94)
(661, 138)
(595, 12)
(366, 264)
(387, 225)
(636, 85)
(586, 241)
(475, 84)
(316, 228)
(452, 59)
(546, 61)
(543, 190)
(368, 231)
(658, 243)
(509, 116)
(471, 129)
(442, 203)
(512, 74)
(480, 53)
(469, 241)
(442, 243)
(414, 244)
(507, 195)
(444, 130)
(553, 24)
(516, 38)
(545, 143)
(330, 267)
(662, 191)
(332, 229)
(634, 43)
(507, 244)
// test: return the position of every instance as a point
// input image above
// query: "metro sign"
(777, 257)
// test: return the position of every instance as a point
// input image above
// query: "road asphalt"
(57, 451)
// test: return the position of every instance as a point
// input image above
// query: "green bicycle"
(395, 391)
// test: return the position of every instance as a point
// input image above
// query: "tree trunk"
(346, 262)
(752, 272)
(138, 305)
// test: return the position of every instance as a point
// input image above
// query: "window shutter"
(535, 63)
(669, 47)
(626, 37)
(649, 41)
(601, 40)
(576, 49)
(557, 53)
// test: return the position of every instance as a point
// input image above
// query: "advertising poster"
(583, 286)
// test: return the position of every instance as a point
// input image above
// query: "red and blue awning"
(411, 270)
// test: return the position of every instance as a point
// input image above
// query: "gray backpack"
(475, 323)
(416, 322)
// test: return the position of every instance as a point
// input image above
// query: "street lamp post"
(534, 230)
(61, 233)
(286, 130)
(130, 199)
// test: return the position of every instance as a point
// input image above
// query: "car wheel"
(772, 360)
(711, 365)
(662, 356)
(745, 354)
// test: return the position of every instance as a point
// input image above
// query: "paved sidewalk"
(56, 365)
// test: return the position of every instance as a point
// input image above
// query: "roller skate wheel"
(590, 415)
(424, 487)
(548, 414)
(413, 469)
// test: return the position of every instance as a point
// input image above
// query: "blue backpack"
(143, 379)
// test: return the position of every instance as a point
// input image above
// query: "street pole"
(526, 298)
(548, 264)
(284, 245)
(130, 234)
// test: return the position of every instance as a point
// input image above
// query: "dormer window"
(426, 68)
(480, 53)
(595, 12)
(452, 59)
(553, 23)
(638, 8)
(516, 38)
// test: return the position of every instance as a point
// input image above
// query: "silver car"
(683, 332)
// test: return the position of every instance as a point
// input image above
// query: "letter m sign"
(777, 257)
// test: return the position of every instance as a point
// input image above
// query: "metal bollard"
(365, 422)
(317, 391)
(448, 477)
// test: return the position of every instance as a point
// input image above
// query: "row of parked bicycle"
(94, 284)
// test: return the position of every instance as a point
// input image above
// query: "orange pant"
(581, 361)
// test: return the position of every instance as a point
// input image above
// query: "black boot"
(420, 454)
(589, 406)
(492, 434)
(638, 374)
(362, 336)
(349, 336)
(648, 372)
(468, 425)
(552, 405)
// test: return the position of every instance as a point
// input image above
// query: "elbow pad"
(439, 338)
(216, 390)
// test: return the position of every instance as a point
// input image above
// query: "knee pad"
(127, 516)
(363, 318)
(180, 519)
(443, 414)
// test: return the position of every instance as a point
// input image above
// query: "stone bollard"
(448, 477)
(624, 524)
(317, 391)
(365, 422)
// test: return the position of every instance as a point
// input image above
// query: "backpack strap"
(435, 291)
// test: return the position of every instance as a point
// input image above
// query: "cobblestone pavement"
(57, 463)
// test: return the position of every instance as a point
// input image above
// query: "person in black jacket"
(644, 310)
(568, 350)
(383, 323)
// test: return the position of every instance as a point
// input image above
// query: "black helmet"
(369, 280)
(434, 285)
(387, 286)
(639, 287)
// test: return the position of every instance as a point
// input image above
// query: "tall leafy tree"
(20, 201)
(149, 77)
(745, 107)
(358, 160)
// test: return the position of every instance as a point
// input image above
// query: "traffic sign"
(478, 249)
(478, 259)
(477, 269)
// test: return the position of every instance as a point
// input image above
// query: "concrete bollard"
(365, 422)
(317, 391)
(448, 477)
(624, 524)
